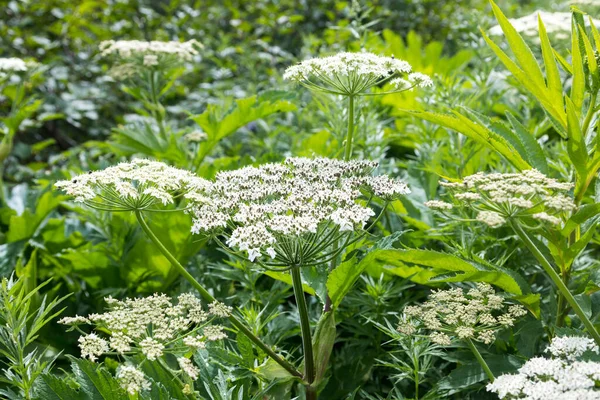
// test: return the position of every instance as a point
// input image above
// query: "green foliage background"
(235, 93)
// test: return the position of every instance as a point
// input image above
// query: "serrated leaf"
(341, 279)
(427, 267)
(534, 153)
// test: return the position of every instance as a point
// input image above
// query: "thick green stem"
(350, 132)
(480, 359)
(309, 360)
(562, 287)
(209, 298)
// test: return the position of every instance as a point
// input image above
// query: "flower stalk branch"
(208, 297)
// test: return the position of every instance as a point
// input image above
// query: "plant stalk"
(309, 360)
(350, 132)
(480, 359)
(562, 287)
(209, 298)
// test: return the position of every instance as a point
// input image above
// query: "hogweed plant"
(149, 70)
(352, 75)
(151, 330)
(455, 315)
(570, 374)
(296, 214)
(143, 186)
(529, 202)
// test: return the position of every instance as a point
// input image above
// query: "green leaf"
(285, 277)
(96, 383)
(589, 52)
(323, 341)
(578, 84)
(552, 75)
(477, 132)
(582, 215)
(341, 279)
(471, 373)
(427, 267)
(246, 349)
(51, 387)
(519, 48)
(534, 153)
(576, 147)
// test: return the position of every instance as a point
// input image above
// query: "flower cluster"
(475, 314)
(571, 347)
(150, 51)
(151, 326)
(132, 379)
(138, 184)
(497, 197)
(12, 65)
(354, 73)
(566, 378)
(291, 211)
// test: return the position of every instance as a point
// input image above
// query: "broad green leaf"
(471, 372)
(323, 341)
(428, 267)
(341, 279)
(246, 349)
(96, 383)
(51, 387)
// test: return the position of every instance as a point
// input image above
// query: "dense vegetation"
(299, 200)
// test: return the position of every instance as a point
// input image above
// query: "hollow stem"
(209, 298)
(480, 359)
(350, 132)
(309, 360)
(562, 287)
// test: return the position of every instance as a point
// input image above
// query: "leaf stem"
(480, 359)
(309, 360)
(208, 297)
(562, 287)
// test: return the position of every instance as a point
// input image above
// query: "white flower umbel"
(353, 74)
(571, 347)
(188, 367)
(12, 64)
(529, 196)
(132, 379)
(151, 327)
(566, 377)
(126, 49)
(137, 185)
(293, 212)
(476, 314)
